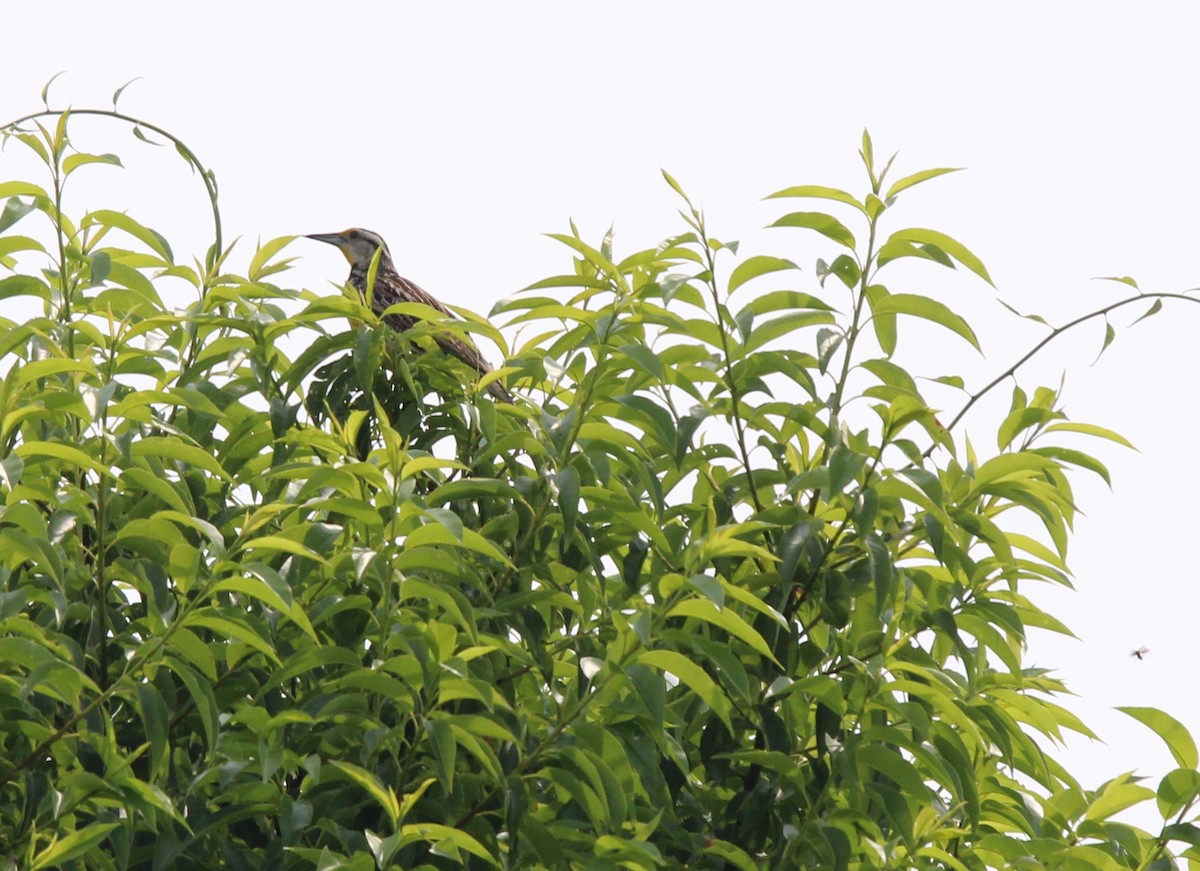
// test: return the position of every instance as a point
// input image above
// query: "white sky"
(462, 132)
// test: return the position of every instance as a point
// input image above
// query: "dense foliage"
(719, 592)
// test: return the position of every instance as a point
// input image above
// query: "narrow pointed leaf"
(916, 178)
(930, 310)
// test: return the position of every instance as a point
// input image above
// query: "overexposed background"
(462, 132)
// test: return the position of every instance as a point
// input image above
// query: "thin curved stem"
(735, 395)
(212, 258)
(835, 402)
(852, 334)
(185, 152)
(1054, 334)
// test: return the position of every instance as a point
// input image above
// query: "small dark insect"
(1140, 653)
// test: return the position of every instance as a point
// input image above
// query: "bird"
(358, 246)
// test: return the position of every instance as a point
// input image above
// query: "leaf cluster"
(721, 591)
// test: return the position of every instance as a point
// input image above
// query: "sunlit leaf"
(706, 610)
(894, 246)
(755, 266)
(916, 178)
(819, 192)
(109, 218)
(380, 792)
(117, 93)
(78, 842)
(74, 161)
(826, 225)
(1173, 733)
(692, 675)
(929, 309)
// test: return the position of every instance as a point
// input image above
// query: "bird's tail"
(499, 391)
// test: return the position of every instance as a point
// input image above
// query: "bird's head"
(356, 244)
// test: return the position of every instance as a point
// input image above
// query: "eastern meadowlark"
(359, 247)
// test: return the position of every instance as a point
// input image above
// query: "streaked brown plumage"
(359, 247)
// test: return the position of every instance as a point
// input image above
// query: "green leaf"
(155, 720)
(1017, 466)
(916, 178)
(1109, 334)
(166, 448)
(756, 266)
(280, 544)
(1178, 790)
(828, 342)
(1115, 797)
(14, 210)
(24, 652)
(567, 482)
(264, 253)
(1150, 312)
(784, 300)
(444, 748)
(776, 328)
(630, 853)
(230, 628)
(12, 244)
(117, 93)
(1077, 458)
(709, 587)
(1092, 430)
(929, 309)
(730, 853)
(51, 366)
(35, 145)
(895, 767)
(723, 618)
(694, 677)
(826, 225)
(844, 267)
(470, 488)
(1035, 318)
(440, 834)
(22, 189)
(101, 267)
(74, 161)
(140, 134)
(11, 468)
(382, 793)
(36, 450)
(675, 185)
(275, 595)
(940, 241)
(1189, 833)
(867, 153)
(1174, 734)
(120, 221)
(819, 192)
(883, 321)
(844, 465)
(46, 89)
(199, 687)
(75, 844)
(1121, 279)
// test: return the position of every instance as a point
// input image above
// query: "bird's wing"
(391, 289)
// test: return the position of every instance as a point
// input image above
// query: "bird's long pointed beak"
(331, 238)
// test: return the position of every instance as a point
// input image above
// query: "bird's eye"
(354, 234)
